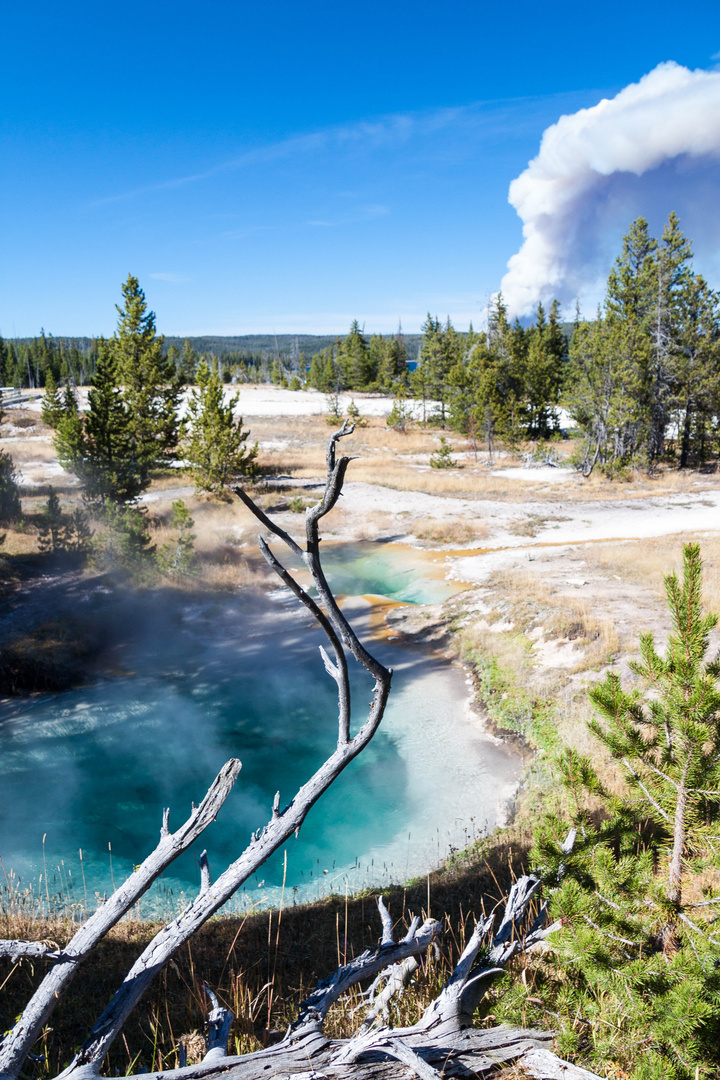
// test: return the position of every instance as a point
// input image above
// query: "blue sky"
(292, 166)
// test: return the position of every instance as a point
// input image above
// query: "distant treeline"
(25, 362)
(641, 380)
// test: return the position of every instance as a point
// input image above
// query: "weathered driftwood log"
(32, 949)
(442, 1043)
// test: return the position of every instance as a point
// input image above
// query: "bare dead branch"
(383, 1040)
(387, 923)
(267, 522)
(35, 949)
(218, 1025)
(19, 1040)
(315, 1007)
(544, 1065)
(338, 671)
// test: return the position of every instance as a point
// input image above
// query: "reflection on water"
(93, 768)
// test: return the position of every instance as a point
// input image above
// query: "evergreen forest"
(639, 380)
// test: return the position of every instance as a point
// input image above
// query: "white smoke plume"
(653, 148)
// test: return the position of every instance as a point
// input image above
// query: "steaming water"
(93, 768)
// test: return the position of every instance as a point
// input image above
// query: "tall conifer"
(149, 382)
(215, 446)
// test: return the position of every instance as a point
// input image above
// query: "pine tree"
(354, 360)
(393, 369)
(175, 558)
(496, 367)
(669, 744)
(400, 416)
(9, 490)
(671, 267)
(334, 412)
(649, 363)
(696, 369)
(355, 415)
(100, 447)
(188, 362)
(378, 363)
(52, 406)
(52, 534)
(599, 398)
(149, 383)
(543, 372)
(315, 375)
(173, 355)
(332, 374)
(215, 445)
(439, 354)
(126, 543)
(442, 458)
(78, 533)
(636, 985)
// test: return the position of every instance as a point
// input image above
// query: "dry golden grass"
(386, 458)
(450, 530)
(647, 561)
(23, 448)
(454, 483)
(664, 481)
(261, 965)
(19, 541)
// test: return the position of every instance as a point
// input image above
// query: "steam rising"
(206, 680)
(653, 148)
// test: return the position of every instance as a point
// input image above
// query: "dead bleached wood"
(381, 958)
(428, 1049)
(545, 1065)
(19, 1040)
(15, 950)
(219, 1022)
(443, 1042)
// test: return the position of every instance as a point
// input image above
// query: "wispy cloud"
(171, 278)
(361, 213)
(390, 131)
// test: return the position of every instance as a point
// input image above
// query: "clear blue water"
(94, 767)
